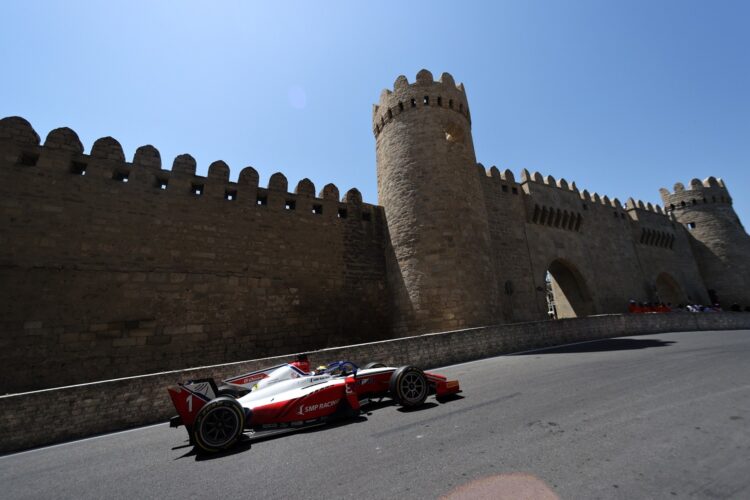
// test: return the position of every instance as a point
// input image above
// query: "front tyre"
(408, 386)
(219, 424)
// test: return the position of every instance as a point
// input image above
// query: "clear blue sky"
(621, 97)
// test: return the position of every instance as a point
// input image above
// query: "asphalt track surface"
(659, 416)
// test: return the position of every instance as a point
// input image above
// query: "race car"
(290, 396)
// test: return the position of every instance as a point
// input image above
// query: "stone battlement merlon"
(585, 195)
(20, 145)
(710, 190)
(423, 93)
(505, 179)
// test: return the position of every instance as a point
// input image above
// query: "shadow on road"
(602, 346)
(423, 407)
(247, 440)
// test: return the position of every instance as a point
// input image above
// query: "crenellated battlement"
(63, 153)
(565, 187)
(560, 204)
(424, 93)
(710, 190)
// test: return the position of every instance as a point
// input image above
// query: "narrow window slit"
(230, 194)
(77, 168)
(290, 205)
(197, 189)
(261, 200)
(120, 176)
(317, 209)
(342, 213)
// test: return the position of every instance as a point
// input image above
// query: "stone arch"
(568, 294)
(669, 290)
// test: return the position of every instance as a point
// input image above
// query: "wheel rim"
(219, 427)
(413, 386)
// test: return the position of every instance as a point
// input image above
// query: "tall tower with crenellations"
(429, 185)
(719, 241)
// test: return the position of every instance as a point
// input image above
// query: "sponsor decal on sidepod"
(320, 406)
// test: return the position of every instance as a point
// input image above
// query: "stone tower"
(719, 241)
(428, 183)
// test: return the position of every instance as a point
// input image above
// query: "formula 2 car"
(290, 395)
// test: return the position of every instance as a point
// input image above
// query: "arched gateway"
(568, 294)
(669, 291)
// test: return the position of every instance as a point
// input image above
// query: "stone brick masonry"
(112, 268)
(101, 277)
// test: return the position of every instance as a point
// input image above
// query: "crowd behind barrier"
(660, 307)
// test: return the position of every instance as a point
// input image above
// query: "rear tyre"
(218, 425)
(374, 365)
(235, 391)
(408, 386)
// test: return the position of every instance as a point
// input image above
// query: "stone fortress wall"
(451, 233)
(115, 268)
(111, 268)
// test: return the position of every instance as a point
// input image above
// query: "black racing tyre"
(409, 386)
(219, 424)
(374, 364)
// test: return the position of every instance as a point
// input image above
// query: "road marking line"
(81, 440)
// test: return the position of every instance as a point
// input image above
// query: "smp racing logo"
(319, 406)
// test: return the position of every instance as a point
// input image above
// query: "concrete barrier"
(54, 415)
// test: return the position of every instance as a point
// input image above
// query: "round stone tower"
(429, 185)
(720, 244)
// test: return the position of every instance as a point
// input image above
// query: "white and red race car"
(291, 396)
